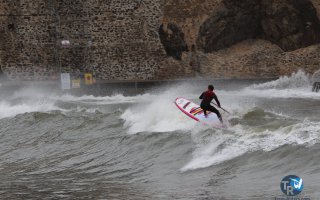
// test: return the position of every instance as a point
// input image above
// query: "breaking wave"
(298, 79)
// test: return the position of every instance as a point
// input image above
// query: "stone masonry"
(158, 39)
(114, 39)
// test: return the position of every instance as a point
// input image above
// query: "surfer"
(207, 97)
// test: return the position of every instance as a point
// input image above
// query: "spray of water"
(156, 112)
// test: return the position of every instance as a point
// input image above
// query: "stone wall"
(155, 39)
(26, 48)
(114, 39)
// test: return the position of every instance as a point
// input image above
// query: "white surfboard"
(196, 113)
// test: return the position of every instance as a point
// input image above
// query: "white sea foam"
(40, 93)
(11, 110)
(158, 115)
(34, 99)
(298, 93)
(298, 85)
(161, 115)
(224, 147)
(298, 79)
(104, 100)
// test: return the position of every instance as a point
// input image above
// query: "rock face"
(158, 39)
(291, 24)
(233, 22)
(259, 59)
(172, 39)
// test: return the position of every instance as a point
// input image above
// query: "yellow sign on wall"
(88, 80)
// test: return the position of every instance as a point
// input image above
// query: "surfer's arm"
(201, 96)
(217, 100)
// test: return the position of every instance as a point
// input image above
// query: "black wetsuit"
(207, 97)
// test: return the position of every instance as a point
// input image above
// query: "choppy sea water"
(59, 146)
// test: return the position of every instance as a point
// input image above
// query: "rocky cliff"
(159, 39)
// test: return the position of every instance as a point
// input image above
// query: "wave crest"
(296, 80)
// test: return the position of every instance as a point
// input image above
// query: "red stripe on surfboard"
(185, 112)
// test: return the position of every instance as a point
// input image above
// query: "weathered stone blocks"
(138, 39)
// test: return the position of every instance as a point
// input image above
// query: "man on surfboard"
(207, 97)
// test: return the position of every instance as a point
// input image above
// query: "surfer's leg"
(204, 110)
(213, 109)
